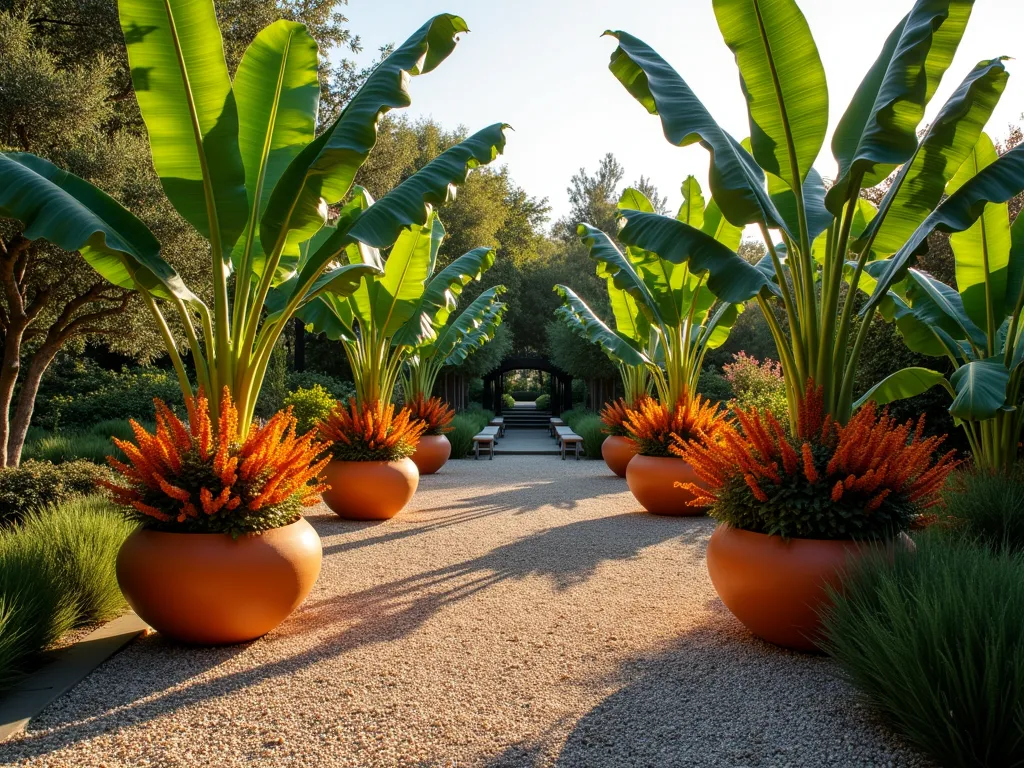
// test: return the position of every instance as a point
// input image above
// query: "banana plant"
(819, 239)
(675, 291)
(471, 330)
(976, 327)
(386, 318)
(242, 162)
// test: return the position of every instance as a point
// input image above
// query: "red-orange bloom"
(614, 415)
(182, 470)
(371, 432)
(434, 412)
(654, 428)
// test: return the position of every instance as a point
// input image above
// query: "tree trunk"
(37, 366)
(8, 378)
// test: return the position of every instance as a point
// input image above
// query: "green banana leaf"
(783, 81)
(620, 269)
(181, 82)
(432, 186)
(905, 383)
(980, 389)
(982, 251)
(937, 304)
(277, 90)
(395, 296)
(472, 329)
(74, 215)
(581, 318)
(692, 209)
(997, 183)
(878, 131)
(818, 217)
(737, 182)
(919, 185)
(325, 169)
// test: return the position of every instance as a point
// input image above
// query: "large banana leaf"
(474, 326)
(613, 264)
(980, 389)
(878, 131)
(432, 186)
(1015, 270)
(581, 318)
(277, 90)
(478, 337)
(737, 183)
(818, 217)
(720, 228)
(692, 209)
(982, 250)
(440, 298)
(394, 297)
(996, 183)
(950, 137)
(182, 86)
(730, 278)
(783, 81)
(324, 170)
(908, 382)
(939, 305)
(74, 215)
(630, 321)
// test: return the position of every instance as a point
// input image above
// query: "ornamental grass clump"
(654, 428)
(371, 432)
(870, 479)
(205, 478)
(435, 414)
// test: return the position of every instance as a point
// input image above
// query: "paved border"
(69, 667)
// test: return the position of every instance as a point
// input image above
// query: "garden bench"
(494, 432)
(561, 432)
(498, 422)
(555, 422)
(485, 439)
(571, 438)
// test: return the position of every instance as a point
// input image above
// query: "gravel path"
(521, 612)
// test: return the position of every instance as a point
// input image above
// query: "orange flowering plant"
(204, 478)
(869, 479)
(614, 416)
(654, 428)
(371, 432)
(434, 412)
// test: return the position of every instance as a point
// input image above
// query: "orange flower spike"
(176, 493)
(810, 471)
(752, 484)
(146, 509)
(837, 491)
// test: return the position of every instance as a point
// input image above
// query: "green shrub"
(480, 415)
(62, 448)
(574, 416)
(310, 406)
(36, 484)
(508, 401)
(119, 428)
(987, 506)
(543, 402)
(591, 429)
(339, 388)
(57, 572)
(464, 428)
(714, 386)
(757, 385)
(934, 640)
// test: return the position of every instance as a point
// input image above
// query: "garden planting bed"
(521, 613)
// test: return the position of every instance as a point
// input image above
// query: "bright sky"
(542, 67)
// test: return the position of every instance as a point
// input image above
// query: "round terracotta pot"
(652, 481)
(431, 453)
(617, 451)
(776, 586)
(370, 490)
(211, 589)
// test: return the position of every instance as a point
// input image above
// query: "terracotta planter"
(652, 481)
(432, 453)
(370, 490)
(211, 589)
(617, 451)
(776, 586)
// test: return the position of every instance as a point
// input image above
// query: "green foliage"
(988, 506)
(36, 484)
(275, 384)
(543, 402)
(526, 395)
(591, 429)
(577, 356)
(934, 641)
(508, 401)
(465, 426)
(310, 406)
(93, 395)
(119, 428)
(574, 416)
(757, 385)
(714, 386)
(57, 572)
(62, 448)
(338, 388)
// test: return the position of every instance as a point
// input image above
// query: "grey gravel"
(520, 612)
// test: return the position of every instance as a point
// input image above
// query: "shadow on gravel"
(566, 493)
(718, 697)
